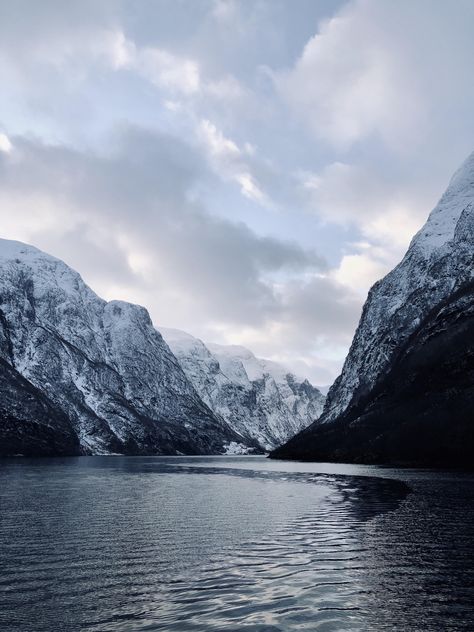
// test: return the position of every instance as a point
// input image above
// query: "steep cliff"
(99, 372)
(405, 392)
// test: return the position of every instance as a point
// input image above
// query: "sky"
(245, 169)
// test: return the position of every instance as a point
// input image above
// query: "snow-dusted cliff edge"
(400, 370)
(438, 261)
(260, 400)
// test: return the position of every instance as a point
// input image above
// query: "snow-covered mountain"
(260, 400)
(80, 375)
(411, 361)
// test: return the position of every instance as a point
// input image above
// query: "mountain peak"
(260, 399)
(101, 370)
(405, 392)
(9, 249)
(441, 224)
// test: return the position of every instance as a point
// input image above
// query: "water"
(228, 544)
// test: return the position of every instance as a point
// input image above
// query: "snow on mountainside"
(101, 374)
(406, 391)
(439, 260)
(259, 399)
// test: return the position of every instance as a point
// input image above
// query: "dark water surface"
(227, 544)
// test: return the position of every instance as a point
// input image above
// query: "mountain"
(406, 391)
(80, 375)
(259, 399)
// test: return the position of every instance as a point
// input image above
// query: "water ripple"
(113, 545)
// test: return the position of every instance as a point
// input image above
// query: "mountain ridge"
(391, 333)
(259, 398)
(101, 365)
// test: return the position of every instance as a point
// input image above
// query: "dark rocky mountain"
(83, 376)
(30, 424)
(406, 392)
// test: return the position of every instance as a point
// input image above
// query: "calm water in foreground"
(241, 543)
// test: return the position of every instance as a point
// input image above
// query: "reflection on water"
(215, 544)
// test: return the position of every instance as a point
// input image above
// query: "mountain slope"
(405, 392)
(102, 366)
(30, 423)
(259, 399)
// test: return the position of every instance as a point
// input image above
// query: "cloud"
(271, 134)
(62, 41)
(163, 69)
(311, 330)
(143, 188)
(346, 83)
(369, 199)
(369, 72)
(5, 144)
(126, 219)
(217, 143)
(85, 38)
(225, 11)
(360, 271)
(383, 206)
(226, 88)
(228, 160)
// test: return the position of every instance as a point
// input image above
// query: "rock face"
(405, 393)
(259, 399)
(83, 376)
(31, 424)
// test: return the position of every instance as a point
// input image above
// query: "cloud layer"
(246, 170)
(129, 220)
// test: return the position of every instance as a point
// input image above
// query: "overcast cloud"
(244, 169)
